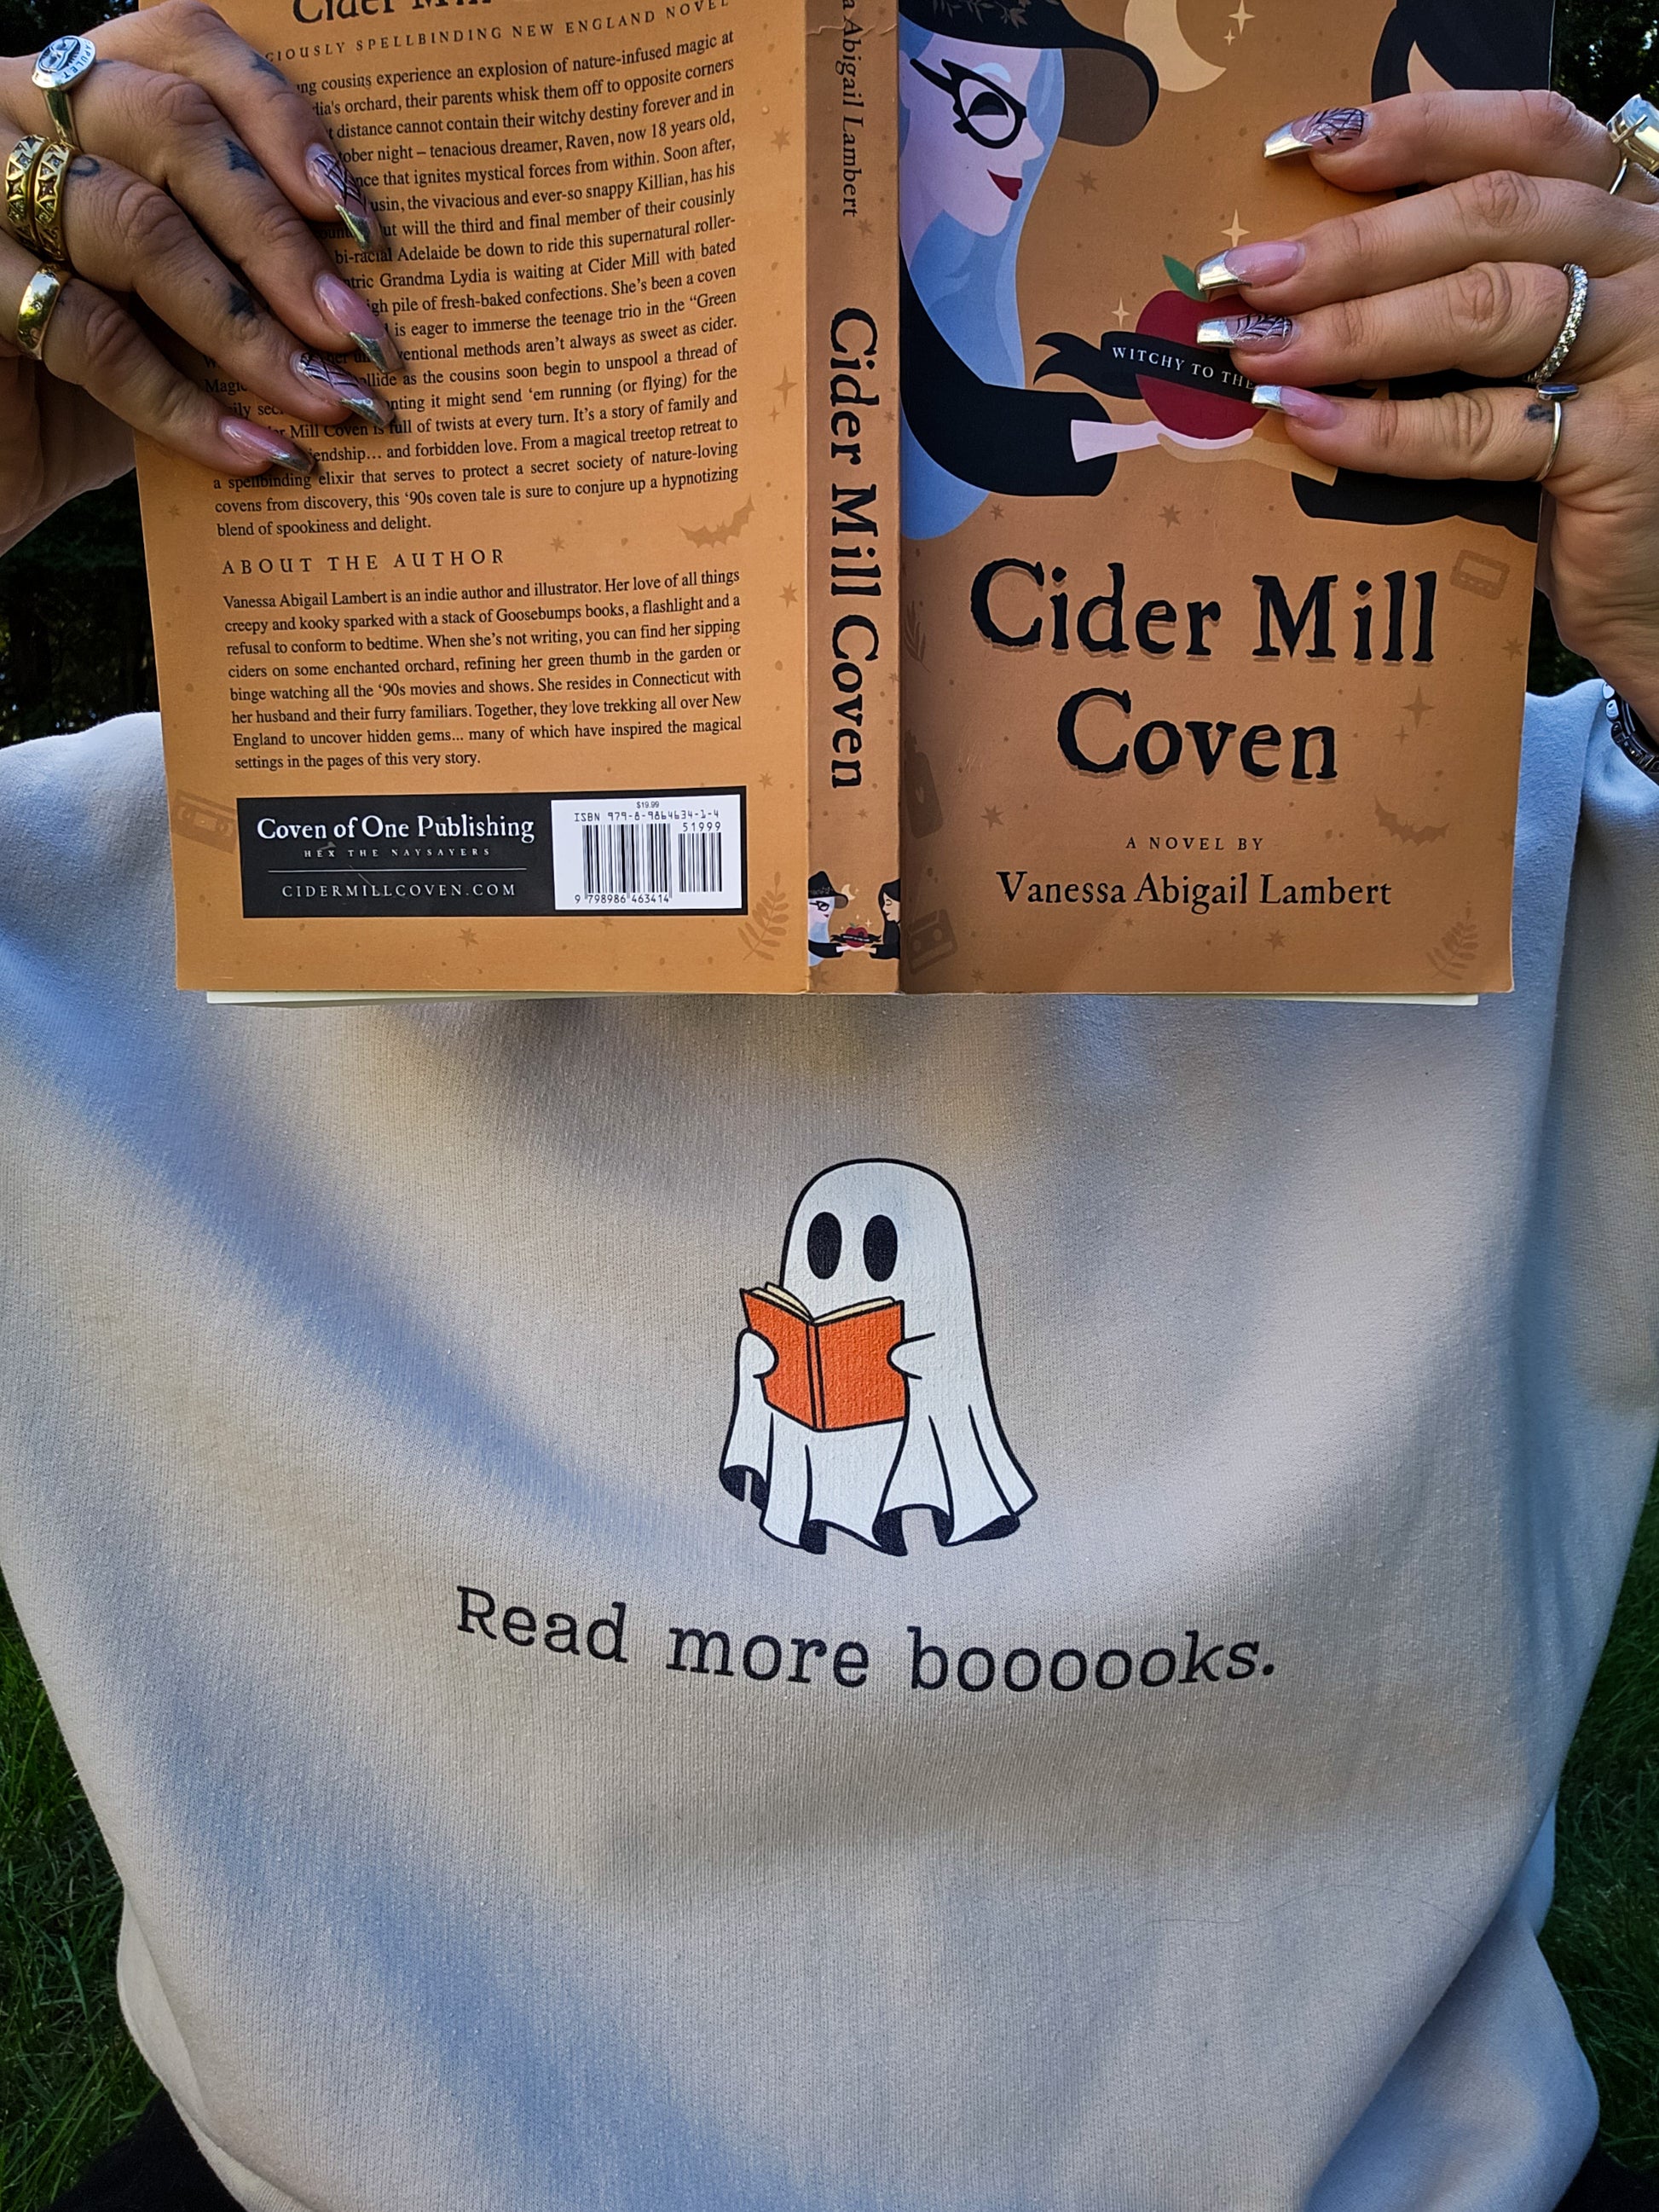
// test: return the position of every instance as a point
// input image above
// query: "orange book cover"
(833, 1373)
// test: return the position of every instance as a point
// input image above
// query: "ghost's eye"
(823, 1245)
(880, 1247)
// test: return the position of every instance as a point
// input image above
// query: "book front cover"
(1184, 710)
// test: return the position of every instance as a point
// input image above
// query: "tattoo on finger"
(84, 166)
(267, 69)
(239, 158)
(243, 305)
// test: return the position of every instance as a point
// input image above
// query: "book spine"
(851, 475)
(818, 1396)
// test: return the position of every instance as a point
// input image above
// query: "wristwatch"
(1631, 734)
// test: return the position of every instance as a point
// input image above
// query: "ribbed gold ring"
(19, 184)
(46, 202)
(40, 296)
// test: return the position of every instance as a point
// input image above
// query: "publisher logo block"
(464, 853)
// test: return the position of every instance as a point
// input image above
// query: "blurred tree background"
(74, 638)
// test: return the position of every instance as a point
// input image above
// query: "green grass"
(1602, 1937)
(71, 2081)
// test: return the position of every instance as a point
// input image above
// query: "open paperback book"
(605, 670)
(832, 1370)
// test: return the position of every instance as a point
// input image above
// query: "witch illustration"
(987, 89)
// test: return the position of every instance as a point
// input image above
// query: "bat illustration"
(720, 533)
(1405, 831)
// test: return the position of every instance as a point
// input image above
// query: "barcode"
(700, 860)
(626, 859)
(649, 852)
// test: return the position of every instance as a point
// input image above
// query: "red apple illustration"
(1197, 414)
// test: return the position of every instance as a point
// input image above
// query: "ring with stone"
(58, 68)
(19, 189)
(1567, 337)
(1635, 134)
(34, 310)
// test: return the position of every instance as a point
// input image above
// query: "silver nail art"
(346, 389)
(1328, 127)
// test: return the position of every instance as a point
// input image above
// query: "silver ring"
(1570, 329)
(58, 68)
(1624, 171)
(1635, 134)
(1557, 395)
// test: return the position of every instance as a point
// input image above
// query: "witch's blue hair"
(967, 284)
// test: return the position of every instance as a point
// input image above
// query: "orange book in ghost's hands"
(833, 1371)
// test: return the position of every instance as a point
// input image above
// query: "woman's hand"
(1468, 275)
(186, 216)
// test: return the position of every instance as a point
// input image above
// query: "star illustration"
(1120, 314)
(1418, 707)
(766, 783)
(1240, 15)
(1401, 735)
(1170, 513)
(1235, 230)
(1276, 938)
(978, 975)
(779, 139)
(468, 937)
(1231, 35)
(863, 226)
(993, 818)
(789, 595)
(784, 387)
(1514, 647)
(1088, 181)
(995, 510)
(558, 545)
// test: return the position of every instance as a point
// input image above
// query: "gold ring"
(40, 296)
(46, 201)
(20, 180)
(58, 68)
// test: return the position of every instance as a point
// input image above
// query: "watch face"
(64, 62)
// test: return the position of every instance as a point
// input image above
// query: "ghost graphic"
(864, 1238)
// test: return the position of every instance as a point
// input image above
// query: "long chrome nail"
(1269, 263)
(268, 447)
(1313, 408)
(331, 177)
(1329, 128)
(368, 405)
(1248, 333)
(353, 317)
